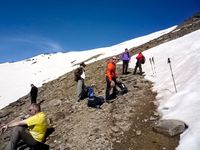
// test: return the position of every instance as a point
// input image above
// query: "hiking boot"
(40, 146)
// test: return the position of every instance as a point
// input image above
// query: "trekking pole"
(151, 65)
(153, 62)
(169, 62)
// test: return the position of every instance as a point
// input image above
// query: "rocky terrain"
(124, 124)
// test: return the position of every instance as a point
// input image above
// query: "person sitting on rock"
(34, 135)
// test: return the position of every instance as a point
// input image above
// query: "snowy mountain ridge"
(46, 67)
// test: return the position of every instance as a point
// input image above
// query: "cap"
(82, 64)
(114, 57)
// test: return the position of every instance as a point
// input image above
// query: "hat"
(114, 57)
(82, 64)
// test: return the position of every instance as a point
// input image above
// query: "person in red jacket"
(139, 58)
(111, 77)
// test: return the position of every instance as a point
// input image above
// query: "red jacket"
(139, 57)
(111, 70)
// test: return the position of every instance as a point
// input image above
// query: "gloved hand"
(112, 84)
(118, 80)
(3, 129)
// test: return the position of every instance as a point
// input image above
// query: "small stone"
(152, 118)
(115, 128)
(139, 132)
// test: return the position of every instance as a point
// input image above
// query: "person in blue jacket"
(125, 57)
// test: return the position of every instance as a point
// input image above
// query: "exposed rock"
(4, 113)
(170, 127)
(55, 102)
(115, 128)
(125, 123)
(139, 132)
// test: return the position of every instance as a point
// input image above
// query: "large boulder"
(170, 127)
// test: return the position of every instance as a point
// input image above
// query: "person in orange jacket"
(111, 77)
(139, 58)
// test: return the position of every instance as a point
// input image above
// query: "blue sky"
(32, 27)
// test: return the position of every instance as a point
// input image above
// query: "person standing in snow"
(140, 59)
(125, 57)
(33, 93)
(80, 79)
(111, 77)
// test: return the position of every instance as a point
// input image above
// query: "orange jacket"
(111, 70)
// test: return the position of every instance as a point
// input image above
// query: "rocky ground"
(126, 123)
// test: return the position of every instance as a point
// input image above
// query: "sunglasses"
(30, 110)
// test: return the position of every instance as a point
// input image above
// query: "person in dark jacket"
(125, 57)
(33, 93)
(80, 78)
(139, 58)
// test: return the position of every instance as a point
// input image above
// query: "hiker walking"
(111, 79)
(33, 93)
(80, 79)
(140, 60)
(125, 57)
(34, 135)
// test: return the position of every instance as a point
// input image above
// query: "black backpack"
(95, 102)
(143, 60)
(121, 87)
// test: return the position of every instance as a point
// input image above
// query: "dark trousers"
(108, 89)
(20, 133)
(138, 65)
(125, 67)
(33, 99)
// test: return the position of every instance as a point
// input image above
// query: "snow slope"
(185, 104)
(16, 77)
(183, 52)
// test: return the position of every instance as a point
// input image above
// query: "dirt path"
(140, 136)
(125, 124)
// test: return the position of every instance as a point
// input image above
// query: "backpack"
(121, 87)
(77, 74)
(90, 92)
(95, 102)
(84, 93)
(143, 60)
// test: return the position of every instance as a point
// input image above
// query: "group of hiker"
(111, 76)
(32, 128)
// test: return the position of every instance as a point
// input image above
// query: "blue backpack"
(90, 92)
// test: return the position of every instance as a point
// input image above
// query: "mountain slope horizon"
(38, 72)
(75, 118)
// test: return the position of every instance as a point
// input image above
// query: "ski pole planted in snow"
(153, 62)
(169, 62)
(151, 65)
